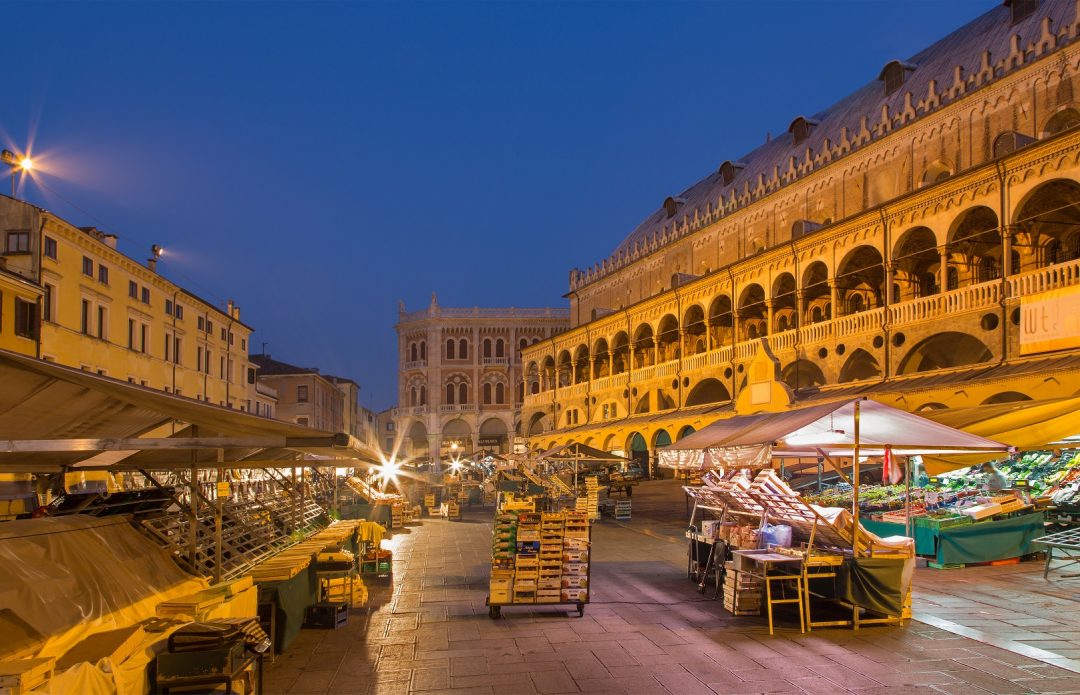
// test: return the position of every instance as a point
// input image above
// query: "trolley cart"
(575, 576)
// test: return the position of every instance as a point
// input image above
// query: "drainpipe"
(682, 346)
(175, 357)
(886, 323)
(1006, 259)
(734, 329)
(40, 281)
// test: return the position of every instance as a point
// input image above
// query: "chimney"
(151, 263)
(109, 240)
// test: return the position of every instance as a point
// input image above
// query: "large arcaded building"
(459, 376)
(887, 245)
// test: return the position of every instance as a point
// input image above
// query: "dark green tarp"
(291, 599)
(989, 540)
(883, 528)
(873, 583)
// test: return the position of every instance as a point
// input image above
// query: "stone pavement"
(646, 631)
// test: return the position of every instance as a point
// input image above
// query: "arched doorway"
(493, 436)
(637, 449)
(418, 441)
(943, 351)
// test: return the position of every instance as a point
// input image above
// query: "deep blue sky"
(316, 162)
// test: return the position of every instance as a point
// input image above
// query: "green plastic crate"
(936, 523)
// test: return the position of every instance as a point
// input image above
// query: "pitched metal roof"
(962, 48)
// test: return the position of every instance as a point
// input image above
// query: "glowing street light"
(17, 164)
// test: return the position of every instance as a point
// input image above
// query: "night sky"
(316, 162)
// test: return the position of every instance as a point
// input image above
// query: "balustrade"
(1048, 278)
(457, 408)
(862, 322)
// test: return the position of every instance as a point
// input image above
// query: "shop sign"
(1050, 321)
(224, 489)
(489, 442)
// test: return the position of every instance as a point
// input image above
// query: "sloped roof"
(964, 47)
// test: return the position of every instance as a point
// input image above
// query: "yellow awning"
(1026, 425)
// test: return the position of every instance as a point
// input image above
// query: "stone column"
(943, 270)
(770, 328)
(834, 298)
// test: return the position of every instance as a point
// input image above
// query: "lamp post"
(17, 164)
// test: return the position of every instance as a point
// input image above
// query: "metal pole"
(218, 506)
(303, 492)
(295, 499)
(907, 497)
(855, 487)
(193, 530)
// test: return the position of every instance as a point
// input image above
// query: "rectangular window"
(198, 359)
(131, 334)
(85, 324)
(102, 322)
(146, 295)
(88, 266)
(177, 351)
(144, 336)
(25, 319)
(221, 369)
(229, 373)
(209, 326)
(223, 332)
(230, 338)
(301, 394)
(168, 307)
(207, 365)
(17, 242)
(133, 289)
(47, 302)
(168, 346)
(202, 324)
(103, 274)
(50, 248)
(179, 312)
(243, 343)
(251, 376)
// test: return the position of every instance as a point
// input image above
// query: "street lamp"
(17, 164)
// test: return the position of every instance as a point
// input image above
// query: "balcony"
(418, 410)
(416, 364)
(457, 408)
(494, 361)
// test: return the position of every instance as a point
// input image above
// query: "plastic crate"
(936, 523)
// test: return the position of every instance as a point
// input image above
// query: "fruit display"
(1043, 471)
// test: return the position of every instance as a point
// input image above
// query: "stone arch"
(620, 352)
(537, 424)
(974, 246)
(1007, 397)
(936, 172)
(660, 438)
(785, 303)
(721, 319)
(861, 365)
(667, 339)
(932, 405)
(752, 312)
(457, 430)
(609, 442)
(1048, 224)
(581, 363)
(943, 351)
(644, 346)
(564, 368)
(642, 404)
(1063, 120)
(601, 359)
(708, 391)
(494, 434)
(860, 280)
(664, 401)
(686, 430)
(694, 328)
(817, 296)
(418, 436)
(802, 374)
(918, 263)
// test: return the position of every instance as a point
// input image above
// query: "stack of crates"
(622, 510)
(551, 557)
(527, 559)
(592, 496)
(429, 504)
(397, 519)
(503, 548)
(575, 559)
(742, 592)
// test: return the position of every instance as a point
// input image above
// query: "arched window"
(535, 388)
(423, 395)
(855, 304)
(953, 279)
(412, 352)
(487, 347)
(535, 341)
(423, 349)
(500, 393)
(815, 315)
(449, 394)
(521, 392)
(523, 343)
(487, 394)
(781, 324)
(450, 349)
(412, 397)
(463, 349)
(828, 310)
(463, 394)
(500, 348)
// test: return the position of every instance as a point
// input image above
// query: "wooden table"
(759, 563)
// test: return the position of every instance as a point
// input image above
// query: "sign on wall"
(1050, 321)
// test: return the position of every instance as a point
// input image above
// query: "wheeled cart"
(540, 559)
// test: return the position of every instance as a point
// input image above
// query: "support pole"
(907, 497)
(303, 493)
(855, 487)
(193, 502)
(218, 506)
(295, 501)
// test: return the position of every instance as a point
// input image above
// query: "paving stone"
(551, 682)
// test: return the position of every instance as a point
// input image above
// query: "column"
(770, 305)
(943, 270)
(834, 298)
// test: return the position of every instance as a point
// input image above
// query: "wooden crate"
(23, 675)
(116, 645)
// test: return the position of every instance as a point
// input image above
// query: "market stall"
(848, 429)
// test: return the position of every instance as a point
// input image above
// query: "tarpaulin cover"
(877, 584)
(291, 599)
(71, 576)
(1025, 425)
(830, 429)
(989, 540)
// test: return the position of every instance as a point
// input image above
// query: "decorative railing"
(862, 322)
(1043, 279)
(935, 306)
(574, 390)
(416, 364)
(669, 368)
(457, 408)
(414, 410)
(490, 361)
(484, 312)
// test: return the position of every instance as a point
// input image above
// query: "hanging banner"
(1050, 321)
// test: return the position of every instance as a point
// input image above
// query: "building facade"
(322, 401)
(19, 310)
(102, 311)
(459, 376)
(886, 246)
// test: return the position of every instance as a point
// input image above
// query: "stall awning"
(55, 418)
(827, 429)
(575, 451)
(1026, 425)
